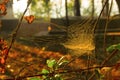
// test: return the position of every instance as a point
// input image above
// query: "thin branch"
(60, 71)
(23, 68)
(106, 26)
(105, 61)
(16, 30)
(95, 26)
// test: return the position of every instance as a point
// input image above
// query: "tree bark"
(118, 3)
(66, 13)
(77, 8)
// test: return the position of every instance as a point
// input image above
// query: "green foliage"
(71, 8)
(34, 3)
(116, 57)
(52, 65)
(41, 8)
(45, 71)
(35, 78)
(113, 47)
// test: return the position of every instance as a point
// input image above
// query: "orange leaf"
(4, 52)
(115, 73)
(3, 9)
(49, 28)
(2, 70)
(29, 18)
(2, 61)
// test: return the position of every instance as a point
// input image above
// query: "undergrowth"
(55, 69)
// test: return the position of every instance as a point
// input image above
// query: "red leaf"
(3, 9)
(29, 18)
(2, 60)
(4, 52)
(2, 70)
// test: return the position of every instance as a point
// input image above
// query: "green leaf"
(111, 48)
(45, 71)
(51, 63)
(35, 78)
(117, 46)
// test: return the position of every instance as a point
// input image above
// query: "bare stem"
(60, 71)
(106, 26)
(16, 30)
(105, 61)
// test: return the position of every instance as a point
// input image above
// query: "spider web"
(80, 37)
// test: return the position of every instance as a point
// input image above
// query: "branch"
(105, 61)
(60, 71)
(16, 30)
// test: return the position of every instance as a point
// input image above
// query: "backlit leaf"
(111, 48)
(49, 28)
(29, 18)
(117, 46)
(35, 78)
(45, 71)
(51, 63)
(2, 60)
(3, 9)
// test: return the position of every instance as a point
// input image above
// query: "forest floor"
(25, 60)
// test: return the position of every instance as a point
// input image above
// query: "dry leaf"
(29, 18)
(3, 9)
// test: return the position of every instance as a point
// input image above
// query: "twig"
(60, 71)
(109, 57)
(106, 26)
(73, 59)
(23, 68)
(16, 30)
(105, 61)
(95, 26)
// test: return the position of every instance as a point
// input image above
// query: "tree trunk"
(77, 8)
(66, 13)
(118, 3)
